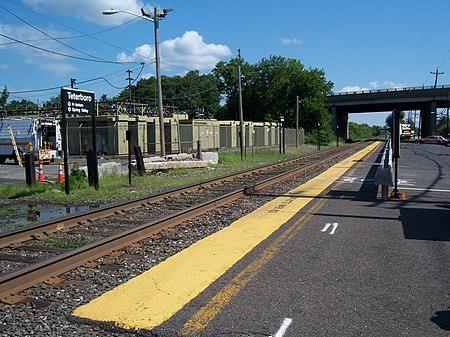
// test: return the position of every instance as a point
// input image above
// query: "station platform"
(330, 258)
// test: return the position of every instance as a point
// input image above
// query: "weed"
(67, 242)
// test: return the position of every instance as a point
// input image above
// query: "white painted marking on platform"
(349, 180)
(283, 327)
(425, 189)
(335, 225)
(406, 182)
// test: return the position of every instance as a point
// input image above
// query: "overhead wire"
(103, 78)
(62, 54)
(88, 35)
(94, 58)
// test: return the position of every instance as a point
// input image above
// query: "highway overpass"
(425, 99)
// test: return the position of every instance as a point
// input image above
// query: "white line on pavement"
(424, 189)
(335, 225)
(283, 328)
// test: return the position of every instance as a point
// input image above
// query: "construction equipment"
(16, 150)
(41, 135)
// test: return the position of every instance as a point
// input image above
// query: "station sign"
(77, 102)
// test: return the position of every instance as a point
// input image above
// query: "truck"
(41, 135)
(406, 132)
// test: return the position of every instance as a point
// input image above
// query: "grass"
(113, 187)
(67, 242)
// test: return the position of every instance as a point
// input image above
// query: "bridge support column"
(339, 119)
(428, 120)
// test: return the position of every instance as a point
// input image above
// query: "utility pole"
(129, 79)
(241, 113)
(437, 73)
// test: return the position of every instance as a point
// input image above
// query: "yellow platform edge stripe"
(151, 298)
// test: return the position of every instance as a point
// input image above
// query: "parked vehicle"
(40, 135)
(406, 132)
(432, 140)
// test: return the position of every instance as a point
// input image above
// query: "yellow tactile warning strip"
(151, 298)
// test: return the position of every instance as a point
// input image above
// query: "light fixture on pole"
(157, 14)
(318, 136)
(282, 135)
(337, 134)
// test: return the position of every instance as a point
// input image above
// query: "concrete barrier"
(106, 168)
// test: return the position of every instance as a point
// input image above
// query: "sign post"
(77, 102)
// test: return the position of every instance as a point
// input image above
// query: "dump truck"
(22, 135)
(406, 132)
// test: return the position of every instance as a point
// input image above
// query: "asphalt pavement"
(353, 265)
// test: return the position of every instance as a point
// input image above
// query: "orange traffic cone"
(60, 174)
(41, 173)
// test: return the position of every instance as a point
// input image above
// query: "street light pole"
(318, 136)
(337, 134)
(157, 13)
(241, 112)
(162, 137)
(296, 122)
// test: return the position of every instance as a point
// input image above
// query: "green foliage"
(388, 122)
(77, 179)
(14, 191)
(363, 131)
(23, 105)
(192, 93)
(442, 126)
(68, 242)
(4, 97)
(270, 88)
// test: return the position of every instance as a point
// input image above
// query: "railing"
(385, 172)
(340, 93)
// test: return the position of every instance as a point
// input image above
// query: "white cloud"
(290, 41)
(90, 10)
(386, 84)
(350, 88)
(188, 51)
(374, 85)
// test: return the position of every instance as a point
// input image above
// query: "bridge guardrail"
(352, 92)
(385, 172)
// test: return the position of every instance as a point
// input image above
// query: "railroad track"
(105, 231)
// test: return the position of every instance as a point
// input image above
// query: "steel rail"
(39, 230)
(12, 283)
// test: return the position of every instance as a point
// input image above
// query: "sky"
(361, 45)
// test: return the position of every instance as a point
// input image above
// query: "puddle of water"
(29, 214)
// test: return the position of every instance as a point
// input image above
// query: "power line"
(84, 34)
(78, 36)
(103, 78)
(49, 36)
(62, 54)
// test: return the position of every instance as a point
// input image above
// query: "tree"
(269, 90)
(388, 122)
(191, 92)
(23, 105)
(4, 97)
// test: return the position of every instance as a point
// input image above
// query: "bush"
(77, 178)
